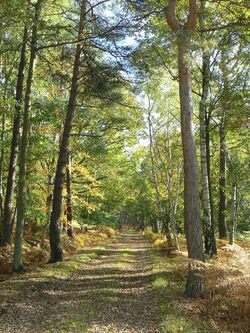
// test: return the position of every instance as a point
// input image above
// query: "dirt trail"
(112, 293)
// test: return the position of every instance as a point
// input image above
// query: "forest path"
(112, 293)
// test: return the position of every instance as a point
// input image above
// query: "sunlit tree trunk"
(223, 152)
(191, 189)
(234, 214)
(222, 183)
(8, 202)
(233, 220)
(173, 208)
(173, 199)
(154, 174)
(193, 229)
(17, 258)
(69, 212)
(56, 253)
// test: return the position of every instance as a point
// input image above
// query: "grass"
(74, 324)
(67, 267)
(169, 286)
(225, 306)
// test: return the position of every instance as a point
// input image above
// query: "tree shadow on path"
(112, 293)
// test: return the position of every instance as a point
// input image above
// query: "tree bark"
(69, 212)
(222, 183)
(223, 152)
(192, 222)
(195, 279)
(122, 218)
(1, 166)
(209, 237)
(17, 258)
(153, 169)
(233, 221)
(208, 119)
(173, 201)
(191, 189)
(8, 202)
(2, 141)
(56, 253)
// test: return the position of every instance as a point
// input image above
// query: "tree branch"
(171, 16)
(192, 16)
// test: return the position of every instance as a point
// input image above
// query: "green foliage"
(126, 69)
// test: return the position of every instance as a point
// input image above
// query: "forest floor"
(123, 286)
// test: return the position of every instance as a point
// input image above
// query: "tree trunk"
(192, 223)
(56, 253)
(208, 118)
(191, 190)
(193, 230)
(8, 203)
(223, 152)
(153, 169)
(173, 201)
(210, 242)
(1, 166)
(69, 199)
(122, 218)
(233, 223)
(1, 139)
(222, 184)
(49, 198)
(195, 279)
(17, 258)
(174, 205)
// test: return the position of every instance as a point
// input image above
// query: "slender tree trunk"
(173, 202)
(122, 219)
(210, 242)
(153, 169)
(233, 221)
(1, 166)
(56, 253)
(69, 199)
(49, 198)
(2, 141)
(8, 203)
(223, 151)
(208, 118)
(209, 234)
(17, 258)
(222, 184)
(174, 205)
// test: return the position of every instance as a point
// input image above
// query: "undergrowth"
(225, 306)
(36, 247)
